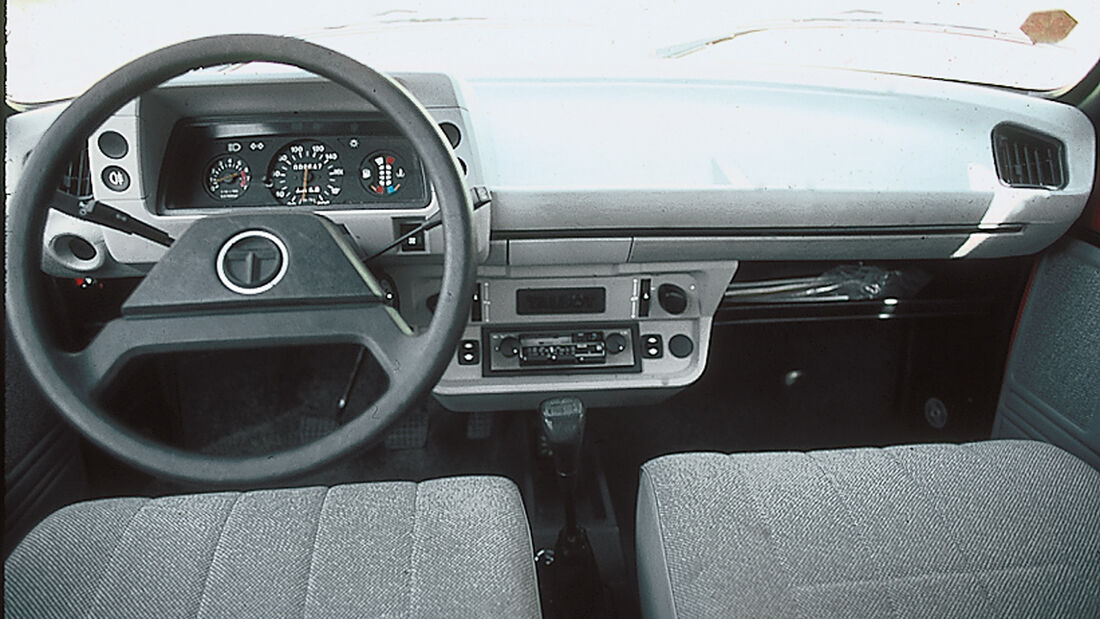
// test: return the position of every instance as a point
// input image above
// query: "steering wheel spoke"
(378, 328)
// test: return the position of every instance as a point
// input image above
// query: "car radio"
(562, 349)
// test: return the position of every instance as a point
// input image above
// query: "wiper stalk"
(107, 216)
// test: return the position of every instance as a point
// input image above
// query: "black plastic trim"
(1007, 132)
(757, 313)
(793, 231)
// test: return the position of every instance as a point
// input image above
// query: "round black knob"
(680, 346)
(509, 347)
(112, 144)
(615, 343)
(672, 298)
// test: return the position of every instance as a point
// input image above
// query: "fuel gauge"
(227, 177)
(382, 173)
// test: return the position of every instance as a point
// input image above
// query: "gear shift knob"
(563, 426)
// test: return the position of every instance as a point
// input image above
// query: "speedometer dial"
(305, 172)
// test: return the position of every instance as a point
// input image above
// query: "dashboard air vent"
(77, 179)
(1027, 158)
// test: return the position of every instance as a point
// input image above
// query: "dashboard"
(616, 212)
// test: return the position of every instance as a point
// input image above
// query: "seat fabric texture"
(455, 547)
(989, 529)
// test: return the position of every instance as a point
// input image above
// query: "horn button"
(252, 262)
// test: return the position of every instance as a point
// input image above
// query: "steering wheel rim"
(27, 303)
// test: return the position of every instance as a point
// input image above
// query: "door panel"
(1052, 385)
(43, 468)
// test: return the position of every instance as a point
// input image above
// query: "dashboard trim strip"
(867, 231)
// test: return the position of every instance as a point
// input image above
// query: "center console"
(608, 334)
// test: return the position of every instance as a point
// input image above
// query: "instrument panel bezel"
(195, 142)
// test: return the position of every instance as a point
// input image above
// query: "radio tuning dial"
(615, 343)
(509, 347)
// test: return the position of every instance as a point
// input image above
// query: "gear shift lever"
(563, 427)
(571, 574)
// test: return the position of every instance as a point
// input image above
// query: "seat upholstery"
(457, 547)
(992, 529)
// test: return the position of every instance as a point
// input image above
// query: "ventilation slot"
(77, 179)
(1028, 159)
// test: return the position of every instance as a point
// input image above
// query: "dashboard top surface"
(833, 165)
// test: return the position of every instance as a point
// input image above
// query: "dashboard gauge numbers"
(227, 177)
(305, 172)
(382, 174)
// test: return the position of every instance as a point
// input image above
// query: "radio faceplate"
(561, 349)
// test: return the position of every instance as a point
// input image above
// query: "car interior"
(290, 332)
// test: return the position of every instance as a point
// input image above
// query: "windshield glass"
(57, 48)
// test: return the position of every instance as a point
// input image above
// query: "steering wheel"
(320, 292)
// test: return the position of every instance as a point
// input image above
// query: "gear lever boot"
(575, 584)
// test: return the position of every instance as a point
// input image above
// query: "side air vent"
(1027, 158)
(77, 179)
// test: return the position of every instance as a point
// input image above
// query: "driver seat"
(452, 547)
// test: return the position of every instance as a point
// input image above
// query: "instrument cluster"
(316, 163)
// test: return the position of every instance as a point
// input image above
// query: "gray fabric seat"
(992, 529)
(457, 547)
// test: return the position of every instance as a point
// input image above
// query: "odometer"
(305, 172)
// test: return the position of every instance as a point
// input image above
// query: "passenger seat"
(988, 529)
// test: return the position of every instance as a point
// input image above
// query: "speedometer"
(305, 172)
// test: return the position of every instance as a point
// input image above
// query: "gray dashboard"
(871, 167)
(616, 184)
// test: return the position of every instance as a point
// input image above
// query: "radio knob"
(615, 343)
(509, 347)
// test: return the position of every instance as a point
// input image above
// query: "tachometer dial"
(305, 172)
(382, 173)
(227, 177)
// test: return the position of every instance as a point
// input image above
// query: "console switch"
(653, 346)
(475, 307)
(645, 296)
(469, 352)
(415, 242)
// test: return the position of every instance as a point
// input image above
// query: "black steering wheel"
(322, 293)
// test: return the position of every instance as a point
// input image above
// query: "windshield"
(57, 48)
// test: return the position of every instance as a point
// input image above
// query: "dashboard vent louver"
(1027, 158)
(77, 179)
